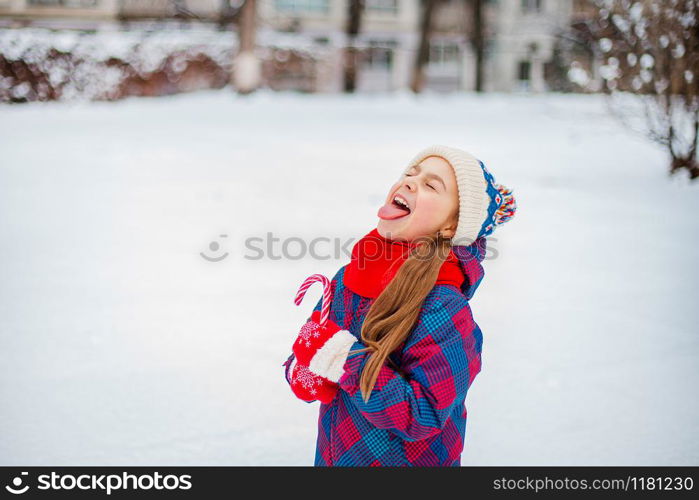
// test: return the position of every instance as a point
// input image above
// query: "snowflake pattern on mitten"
(308, 330)
(307, 379)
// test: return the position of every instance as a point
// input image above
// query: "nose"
(410, 184)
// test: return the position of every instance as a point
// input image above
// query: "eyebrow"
(430, 175)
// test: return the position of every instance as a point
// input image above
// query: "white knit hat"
(483, 204)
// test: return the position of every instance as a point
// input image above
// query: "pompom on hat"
(483, 203)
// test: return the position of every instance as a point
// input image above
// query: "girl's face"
(424, 201)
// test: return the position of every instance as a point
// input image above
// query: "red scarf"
(376, 260)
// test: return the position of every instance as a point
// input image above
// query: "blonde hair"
(395, 311)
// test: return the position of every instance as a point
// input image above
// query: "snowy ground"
(120, 344)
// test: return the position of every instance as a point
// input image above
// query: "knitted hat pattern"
(502, 205)
(483, 203)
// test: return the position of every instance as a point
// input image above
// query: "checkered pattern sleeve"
(440, 359)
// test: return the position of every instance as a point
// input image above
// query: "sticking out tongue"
(392, 211)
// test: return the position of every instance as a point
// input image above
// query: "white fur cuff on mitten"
(330, 359)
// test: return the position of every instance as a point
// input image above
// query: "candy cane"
(327, 296)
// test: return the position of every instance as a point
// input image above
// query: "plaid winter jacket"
(415, 416)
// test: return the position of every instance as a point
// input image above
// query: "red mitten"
(312, 337)
(308, 386)
(320, 349)
(323, 349)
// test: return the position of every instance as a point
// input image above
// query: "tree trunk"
(478, 41)
(690, 161)
(423, 52)
(351, 55)
(246, 70)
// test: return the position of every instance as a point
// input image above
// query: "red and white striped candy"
(327, 295)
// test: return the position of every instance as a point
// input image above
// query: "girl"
(401, 347)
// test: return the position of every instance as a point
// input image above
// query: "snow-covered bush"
(648, 56)
(40, 64)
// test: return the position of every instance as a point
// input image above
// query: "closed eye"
(428, 185)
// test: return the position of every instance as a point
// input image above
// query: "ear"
(449, 230)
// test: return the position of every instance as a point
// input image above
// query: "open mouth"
(395, 209)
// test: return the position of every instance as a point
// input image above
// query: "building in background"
(69, 14)
(525, 35)
(388, 37)
(94, 14)
(519, 50)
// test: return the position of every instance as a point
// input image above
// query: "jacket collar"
(470, 260)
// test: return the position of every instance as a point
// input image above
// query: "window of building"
(386, 6)
(317, 6)
(524, 71)
(529, 6)
(63, 3)
(443, 53)
(379, 55)
(523, 76)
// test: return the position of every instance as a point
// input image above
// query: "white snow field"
(121, 345)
